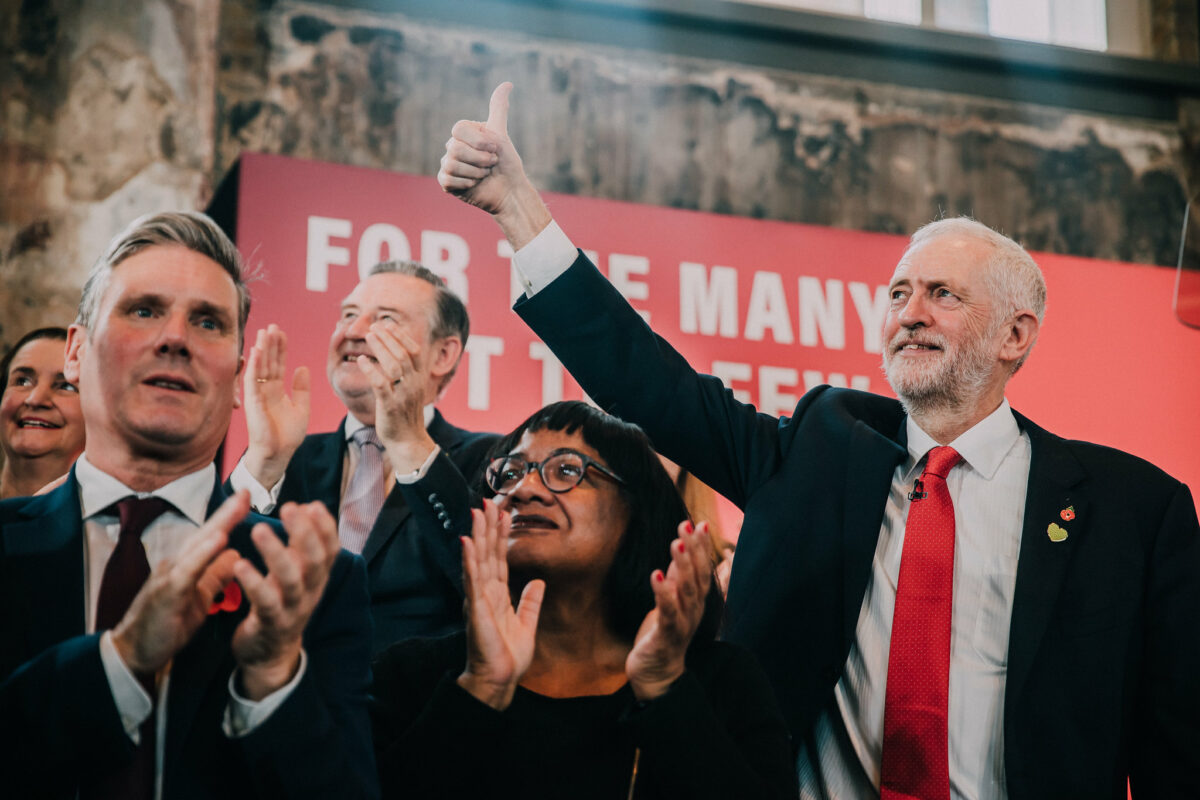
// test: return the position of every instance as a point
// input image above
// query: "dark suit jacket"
(61, 723)
(414, 565)
(1105, 631)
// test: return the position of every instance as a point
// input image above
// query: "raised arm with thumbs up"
(482, 167)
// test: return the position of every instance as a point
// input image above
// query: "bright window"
(1072, 23)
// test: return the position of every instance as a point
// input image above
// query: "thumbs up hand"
(482, 167)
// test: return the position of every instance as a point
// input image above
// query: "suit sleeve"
(61, 724)
(318, 742)
(633, 373)
(1165, 760)
(441, 504)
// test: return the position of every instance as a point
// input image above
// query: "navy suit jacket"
(60, 721)
(1104, 648)
(414, 564)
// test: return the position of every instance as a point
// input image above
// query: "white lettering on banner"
(814, 378)
(871, 313)
(552, 372)
(730, 371)
(708, 301)
(447, 254)
(822, 311)
(371, 247)
(620, 268)
(768, 310)
(770, 381)
(321, 254)
(480, 350)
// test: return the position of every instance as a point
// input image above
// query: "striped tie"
(365, 493)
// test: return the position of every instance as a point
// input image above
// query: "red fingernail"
(690, 527)
(658, 576)
(681, 548)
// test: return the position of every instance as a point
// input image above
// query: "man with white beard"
(950, 601)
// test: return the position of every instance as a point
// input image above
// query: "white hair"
(1012, 276)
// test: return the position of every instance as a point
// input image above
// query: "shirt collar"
(983, 447)
(190, 494)
(353, 423)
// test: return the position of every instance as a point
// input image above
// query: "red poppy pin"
(229, 599)
(1067, 513)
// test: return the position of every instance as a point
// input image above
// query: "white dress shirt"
(264, 500)
(988, 490)
(163, 539)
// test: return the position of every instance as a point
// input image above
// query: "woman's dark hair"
(34, 335)
(655, 509)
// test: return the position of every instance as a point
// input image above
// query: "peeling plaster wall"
(109, 110)
(105, 114)
(383, 91)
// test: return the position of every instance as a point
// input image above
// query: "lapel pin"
(1056, 532)
(1067, 513)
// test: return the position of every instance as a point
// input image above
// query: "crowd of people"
(932, 597)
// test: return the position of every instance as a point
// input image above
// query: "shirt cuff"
(132, 700)
(547, 256)
(421, 471)
(242, 716)
(261, 500)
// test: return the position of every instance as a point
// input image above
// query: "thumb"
(497, 120)
(301, 386)
(530, 606)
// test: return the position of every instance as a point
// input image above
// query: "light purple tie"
(364, 494)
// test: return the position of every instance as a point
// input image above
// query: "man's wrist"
(523, 215)
(259, 680)
(268, 471)
(410, 455)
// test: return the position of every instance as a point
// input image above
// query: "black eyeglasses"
(560, 472)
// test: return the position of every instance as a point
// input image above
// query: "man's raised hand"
(482, 167)
(267, 643)
(275, 422)
(174, 601)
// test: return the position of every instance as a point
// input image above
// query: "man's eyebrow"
(23, 370)
(214, 310)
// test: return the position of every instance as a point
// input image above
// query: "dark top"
(715, 733)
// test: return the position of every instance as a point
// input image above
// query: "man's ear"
(237, 383)
(1020, 335)
(445, 356)
(76, 346)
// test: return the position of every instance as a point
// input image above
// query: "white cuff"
(548, 255)
(242, 716)
(261, 500)
(133, 703)
(421, 471)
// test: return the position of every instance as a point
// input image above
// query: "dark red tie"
(916, 761)
(127, 569)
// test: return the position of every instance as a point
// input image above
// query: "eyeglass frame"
(530, 466)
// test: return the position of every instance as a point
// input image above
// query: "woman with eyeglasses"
(588, 666)
(41, 425)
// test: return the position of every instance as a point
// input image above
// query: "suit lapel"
(1054, 478)
(870, 465)
(395, 511)
(44, 551)
(323, 469)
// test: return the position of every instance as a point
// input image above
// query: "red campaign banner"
(774, 308)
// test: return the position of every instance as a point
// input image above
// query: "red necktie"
(127, 569)
(916, 762)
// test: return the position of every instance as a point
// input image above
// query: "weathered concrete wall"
(105, 114)
(383, 91)
(108, 110)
